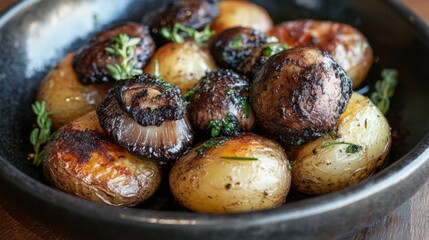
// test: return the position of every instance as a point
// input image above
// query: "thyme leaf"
(41, 134)
(384, 89)
(123, 47)
(199, 37)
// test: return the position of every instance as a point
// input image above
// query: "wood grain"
(409, 221)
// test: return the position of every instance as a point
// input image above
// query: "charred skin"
(299, 94)
(219, 93)
(66, 97)
(209, 182)
(232, 46)
(347, 46)
(147, 117)
(195, 14)
(91, 61)
(82, 160)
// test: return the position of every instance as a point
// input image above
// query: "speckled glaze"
(35, 35)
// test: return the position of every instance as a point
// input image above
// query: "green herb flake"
(191, 93)
(332, 134)
(240, 158)
(352, 148)
(225, 127)
(237, 43)
(211, 143)
(41, 134)
(289, 166)
(270, 50)
(384, 89)
(123, 47)
(215, 127)
(300, 142)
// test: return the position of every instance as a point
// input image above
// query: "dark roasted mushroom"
(147, 116)
(233, 45)
(258, 57)
(221, 104)
(92, 59)
(299, 94)
(195, 14)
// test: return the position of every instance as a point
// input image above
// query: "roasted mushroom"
(221, 104)
(82, 160)
(299, 94)
(258, 57)
(235, 13)
(92, 59)
(232, 46)
(147, 116)
(244, 173)
(195, 14)
(347, 46)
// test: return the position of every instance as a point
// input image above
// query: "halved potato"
(66, 97)
(244, 173)
(182, 64)
(241, 13)
(82, 160)
(349, 154)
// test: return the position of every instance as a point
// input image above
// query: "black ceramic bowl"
(35, 35)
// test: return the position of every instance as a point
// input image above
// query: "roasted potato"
(241, 13)
(181, 64)
(82, 160)
(349, 154)
(240, 174)
(347, 46)
(66, 97)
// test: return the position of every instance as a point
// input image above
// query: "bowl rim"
(393, 174)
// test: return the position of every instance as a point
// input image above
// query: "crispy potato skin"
(347, 46)
(82, 160)
(241, 13)
(66, 97)
(182, 64)
(208, 183)
(319, 170)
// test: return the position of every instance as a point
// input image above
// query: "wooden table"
(409, 221)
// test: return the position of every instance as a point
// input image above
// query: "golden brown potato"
(321, 167)
(245, 173)
(182, 64)
(82, 160)
(241, 13)
(66, 97)
(347, 46)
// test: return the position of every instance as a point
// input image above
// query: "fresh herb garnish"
(289, 165)
(333, 134)
(212, 143)
(352, 148)
(200, 37)
(245, 105)
(237, 43)
(227, 126)
(384, 89)
(240, 158)
(300, 141)
(270, 50)
(191, 93)
(123, 47)
(41, 134)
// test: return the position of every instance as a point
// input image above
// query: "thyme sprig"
(200, 37)
(384, 89)
(352, 148)
(40, 135)
(123, 47)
